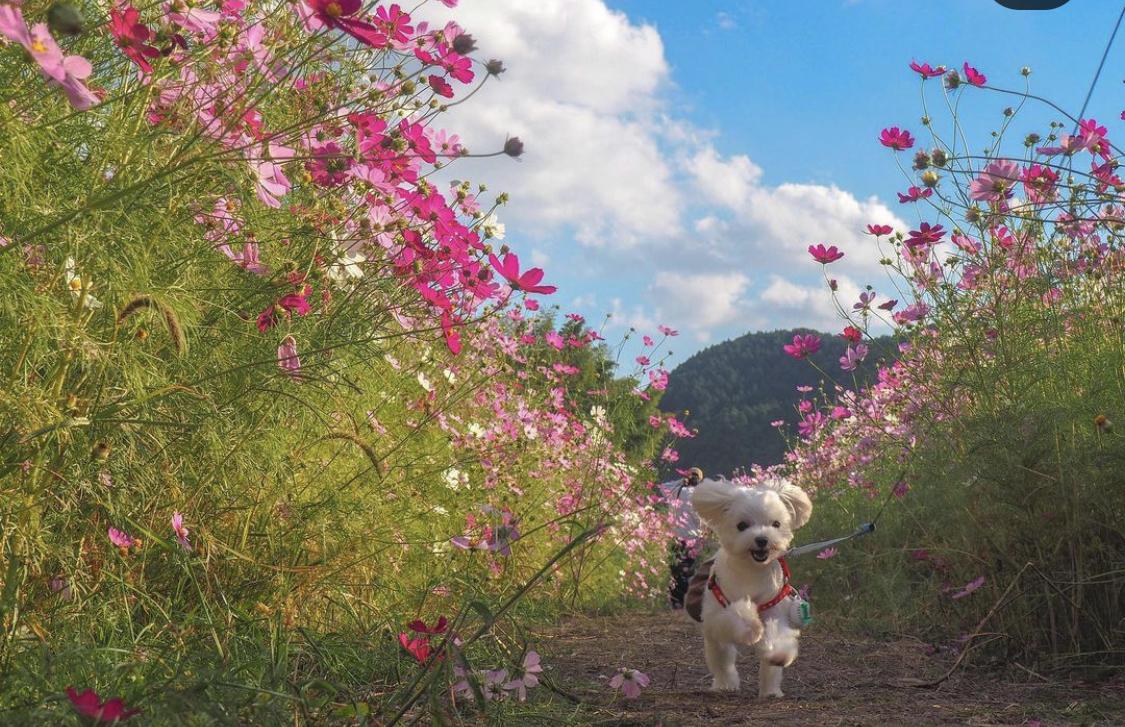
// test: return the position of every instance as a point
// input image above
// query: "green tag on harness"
(806, 613)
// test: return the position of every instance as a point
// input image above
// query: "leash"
(864, 529)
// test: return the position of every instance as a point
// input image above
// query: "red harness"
(786, 590)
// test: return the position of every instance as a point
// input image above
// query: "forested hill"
(734, 389)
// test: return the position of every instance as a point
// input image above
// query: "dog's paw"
(751, 633)
(774, 694)
(725, 685)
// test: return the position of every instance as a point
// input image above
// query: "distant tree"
(734, 390)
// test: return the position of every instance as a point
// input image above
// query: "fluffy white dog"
(748, 599)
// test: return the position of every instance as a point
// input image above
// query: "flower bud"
(65, 19)
(939, 158)
(464, 44)
(1025, 71)
(513, 147)
(952, 80)
(930, 178)
(921, 160)
(495, 67)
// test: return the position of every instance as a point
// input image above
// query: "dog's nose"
(761, 542)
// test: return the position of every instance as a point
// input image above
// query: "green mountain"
(735, 389)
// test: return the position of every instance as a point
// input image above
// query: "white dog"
(748, 599)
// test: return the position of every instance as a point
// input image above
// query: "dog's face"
(753, 523)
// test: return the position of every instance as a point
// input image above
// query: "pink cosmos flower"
(914, 194)
(287, 358)
(926, 234)
(825, 256)
(925, 70)
(526, 677)
(965, 243)
(879, 230)
(866, 298)
(852, 335)
(89, 705)
(826, 554)
(1093, 137)
(900, 489)
(647, 340)
(667, 331)
(889, 305)
(121, 539)
(132, 36)
(527, 281)
(630, 682)
(59, 69)
(802, 346)
(338, 14)
(1068, 145)
(996, 182)
(969, 587)
(195, 20)
(853, 357)
(181, 531)
(896, 139)
(973, 76)
(911, 313)
(555, 340)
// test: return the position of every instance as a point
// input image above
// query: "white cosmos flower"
(75, 283)
(425, 382)
(347, 268)
(493, 227)
(455, 479)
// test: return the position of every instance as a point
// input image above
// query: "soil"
(837, 680)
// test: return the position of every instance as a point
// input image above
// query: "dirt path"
(836, 681)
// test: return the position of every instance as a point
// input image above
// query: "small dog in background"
(748, 600)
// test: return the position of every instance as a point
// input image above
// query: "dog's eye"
(742, 526)
(776, 524)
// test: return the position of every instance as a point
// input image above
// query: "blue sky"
(680, 156)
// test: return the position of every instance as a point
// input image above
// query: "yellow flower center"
(333, 10)
(38, 46)
(76, 284)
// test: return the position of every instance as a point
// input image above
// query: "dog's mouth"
(760, 556)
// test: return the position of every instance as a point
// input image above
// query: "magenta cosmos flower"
(338, 14)
(89, 705)
(526, 677)
(826, 554)
(879, 230)
(803, 346)
(853, 357)
(895, 138)
(630, 682)
(913, 195)
(925, 70)
(132, 36)
(825, 255)
(1039, 183)
(926, 234)
(527, 281)
(973, 76)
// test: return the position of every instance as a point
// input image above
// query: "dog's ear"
(799, 504)
(711, 500)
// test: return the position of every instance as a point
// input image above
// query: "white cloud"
(582, 92)
(706, 300)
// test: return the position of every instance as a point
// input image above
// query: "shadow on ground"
(836, 681)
